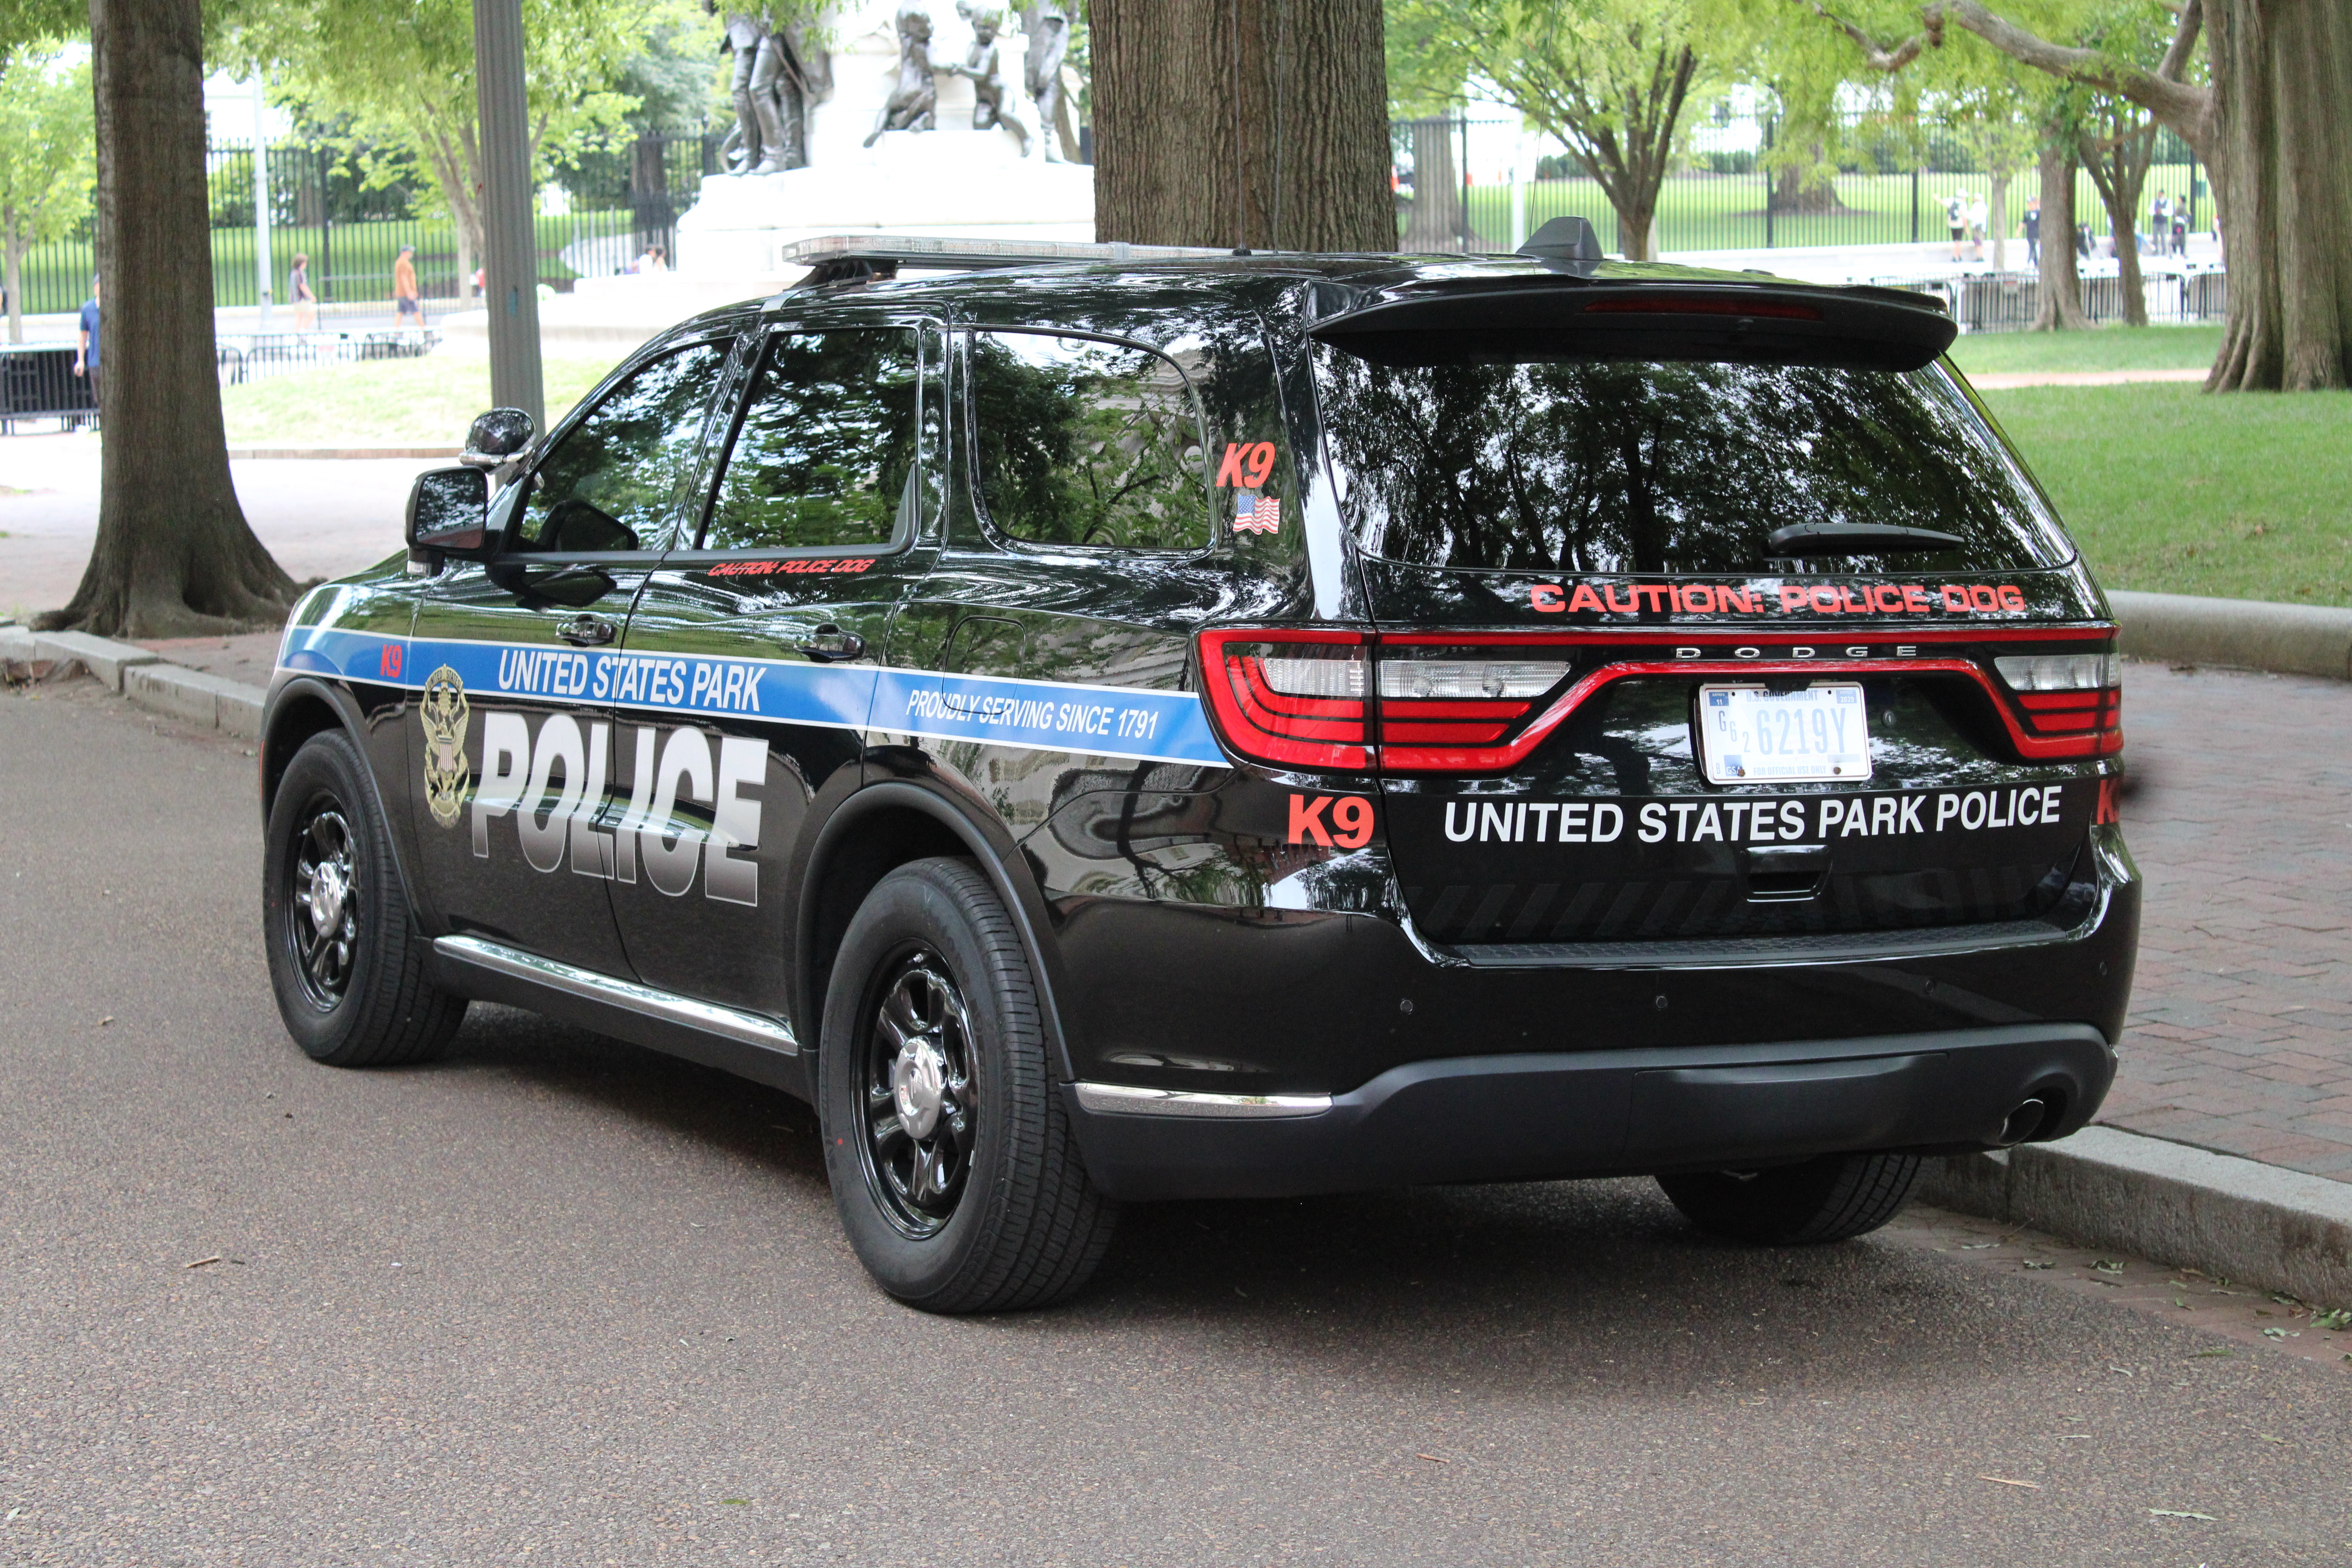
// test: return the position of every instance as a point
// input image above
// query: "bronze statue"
(1048, 23)
(984, 67)
(912, 103)
(779, 76)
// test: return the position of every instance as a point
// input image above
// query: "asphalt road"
(560, 1300)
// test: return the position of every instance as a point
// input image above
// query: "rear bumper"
(1530, 1116)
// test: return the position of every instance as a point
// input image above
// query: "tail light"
(1292, 698)
(1421, 702)
(2072, 702)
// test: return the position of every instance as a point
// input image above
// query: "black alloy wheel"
(346, 960)
(324, 899)
(951, 1152)
(921, 1106)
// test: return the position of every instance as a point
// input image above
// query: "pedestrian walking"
(306, 303)
(86, 356)
(406, 300)
(1977, 220)
(2033, 231)
(2179, 232)
(1956, 217)
(2159, 233)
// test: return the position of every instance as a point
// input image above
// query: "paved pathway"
(2004, 380)
(318, 518)
(2241, 818)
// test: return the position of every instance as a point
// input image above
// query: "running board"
(749, 1045)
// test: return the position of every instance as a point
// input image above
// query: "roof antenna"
(1241, 228)
(1567, 239)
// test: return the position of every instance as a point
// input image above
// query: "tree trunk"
(2060, 305)
(2119, 168)
(1996, 219)
(173, 555)
(1796, 193)
(1276, 139)
(14, 282)
(1436, 221)
(2282, 184)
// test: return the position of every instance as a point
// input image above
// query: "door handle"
(586, 631)
(830, 644)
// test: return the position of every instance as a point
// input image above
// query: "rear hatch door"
(1690, 631)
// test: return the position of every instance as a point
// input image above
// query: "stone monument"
(926, 129)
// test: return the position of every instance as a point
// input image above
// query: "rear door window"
(826, 455)
(1605, 467)
(1083, 441)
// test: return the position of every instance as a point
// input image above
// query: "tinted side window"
(613, 482)
(1084, 442)
(826, 454)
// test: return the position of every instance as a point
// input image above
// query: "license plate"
(1750, 734)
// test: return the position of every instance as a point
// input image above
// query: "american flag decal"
(1261, 514)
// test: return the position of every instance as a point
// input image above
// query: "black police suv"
(1107, 724)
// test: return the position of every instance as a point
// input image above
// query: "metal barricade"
(37, 382)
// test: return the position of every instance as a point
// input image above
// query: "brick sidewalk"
(2241, 818)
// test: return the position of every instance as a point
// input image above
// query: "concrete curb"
(213, 701)
(105, 660)
(2278, 1229)
(2246, 634)
(193, 696)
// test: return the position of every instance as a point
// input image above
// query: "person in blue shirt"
(86, 357)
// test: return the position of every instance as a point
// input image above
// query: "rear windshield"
(1628, 467)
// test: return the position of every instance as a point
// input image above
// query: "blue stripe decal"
(1037, 715)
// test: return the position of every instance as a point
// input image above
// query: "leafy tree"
(1428, 63)
(2270, 124)
(1612, 79)
(2115, 146)
(48, 141)
(404, 71)
(174, 556)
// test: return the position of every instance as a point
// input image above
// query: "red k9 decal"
(1247, 464)
(390, 662)
(1350, 826)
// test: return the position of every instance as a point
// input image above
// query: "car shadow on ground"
(1499, 1290)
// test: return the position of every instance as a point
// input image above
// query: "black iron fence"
(614, 200)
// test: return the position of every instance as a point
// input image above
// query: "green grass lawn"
(383, 402)
(2103, 348)
(2247, 495)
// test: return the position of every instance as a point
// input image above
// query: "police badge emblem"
(446, 772)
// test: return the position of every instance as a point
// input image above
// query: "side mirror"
(501, 433)
(448, 512)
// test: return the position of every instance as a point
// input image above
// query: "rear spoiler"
(1500, 320)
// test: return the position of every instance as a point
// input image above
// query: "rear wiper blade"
(1854, 539)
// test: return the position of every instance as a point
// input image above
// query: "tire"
(988, 1208)
(1833, 1198)
(359, 997)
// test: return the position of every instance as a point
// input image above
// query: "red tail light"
(1291, 699)
(1438, 702)
(2072, 702)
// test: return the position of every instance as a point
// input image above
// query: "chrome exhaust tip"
(2022, 1123)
